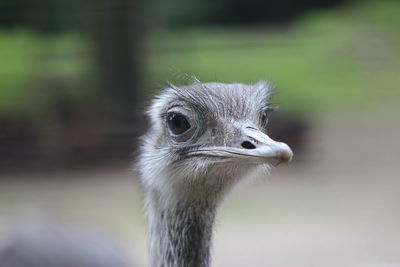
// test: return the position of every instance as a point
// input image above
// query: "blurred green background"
(67, 64)
(75, 78)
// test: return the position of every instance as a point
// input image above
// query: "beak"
(254, 146)
(258, 144)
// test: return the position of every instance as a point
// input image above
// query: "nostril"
(248, 145)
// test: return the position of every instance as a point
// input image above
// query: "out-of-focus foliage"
(48, 16)
(70, 78)
(38, 67)
(328, 60)
(235, 12)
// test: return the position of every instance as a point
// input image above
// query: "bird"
(203, 139)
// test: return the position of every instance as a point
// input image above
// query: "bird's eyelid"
(174, 106)
(271, 108)
(179, 108)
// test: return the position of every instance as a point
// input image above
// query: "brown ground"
(339, 207)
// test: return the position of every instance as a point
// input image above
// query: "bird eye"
(266, 112)
(177, 123)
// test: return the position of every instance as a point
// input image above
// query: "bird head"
(208, 134)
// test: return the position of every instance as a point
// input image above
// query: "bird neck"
(181, 232)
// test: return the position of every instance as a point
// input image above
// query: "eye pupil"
(177, 123)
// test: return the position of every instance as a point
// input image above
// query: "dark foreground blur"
(41, 243)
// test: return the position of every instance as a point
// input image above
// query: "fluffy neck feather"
(180, 231)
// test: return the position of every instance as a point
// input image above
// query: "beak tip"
(287, 154)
